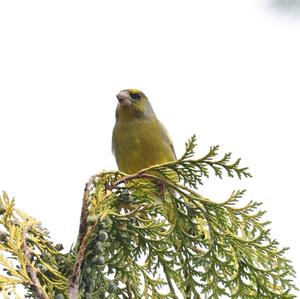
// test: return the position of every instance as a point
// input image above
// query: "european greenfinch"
(139, 139)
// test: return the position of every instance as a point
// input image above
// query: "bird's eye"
(135, 96)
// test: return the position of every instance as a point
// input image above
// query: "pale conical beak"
(124, 98)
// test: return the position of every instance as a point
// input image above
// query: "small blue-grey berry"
(59, 247)
(2, 209)
(102, 236)
(99, 246)
(42, 268)
(112, 288)
(98, 259)
(91, 219)
(3, 236)
(45, 255)
(101, 260)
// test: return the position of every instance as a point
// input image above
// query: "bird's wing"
(168, 138)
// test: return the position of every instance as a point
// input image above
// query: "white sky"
(225, 70)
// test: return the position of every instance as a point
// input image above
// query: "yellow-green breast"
(139, 143)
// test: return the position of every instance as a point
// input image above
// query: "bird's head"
(133, 104)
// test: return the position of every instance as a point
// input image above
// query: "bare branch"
(83, 216)
(34, 281)
(82, 241)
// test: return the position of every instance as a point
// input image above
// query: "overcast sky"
(226, 70)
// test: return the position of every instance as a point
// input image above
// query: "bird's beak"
(124, 98)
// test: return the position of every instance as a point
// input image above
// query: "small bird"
(139, 139)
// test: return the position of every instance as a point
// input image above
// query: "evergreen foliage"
(150, 235)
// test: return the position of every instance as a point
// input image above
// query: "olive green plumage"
(139, 139)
